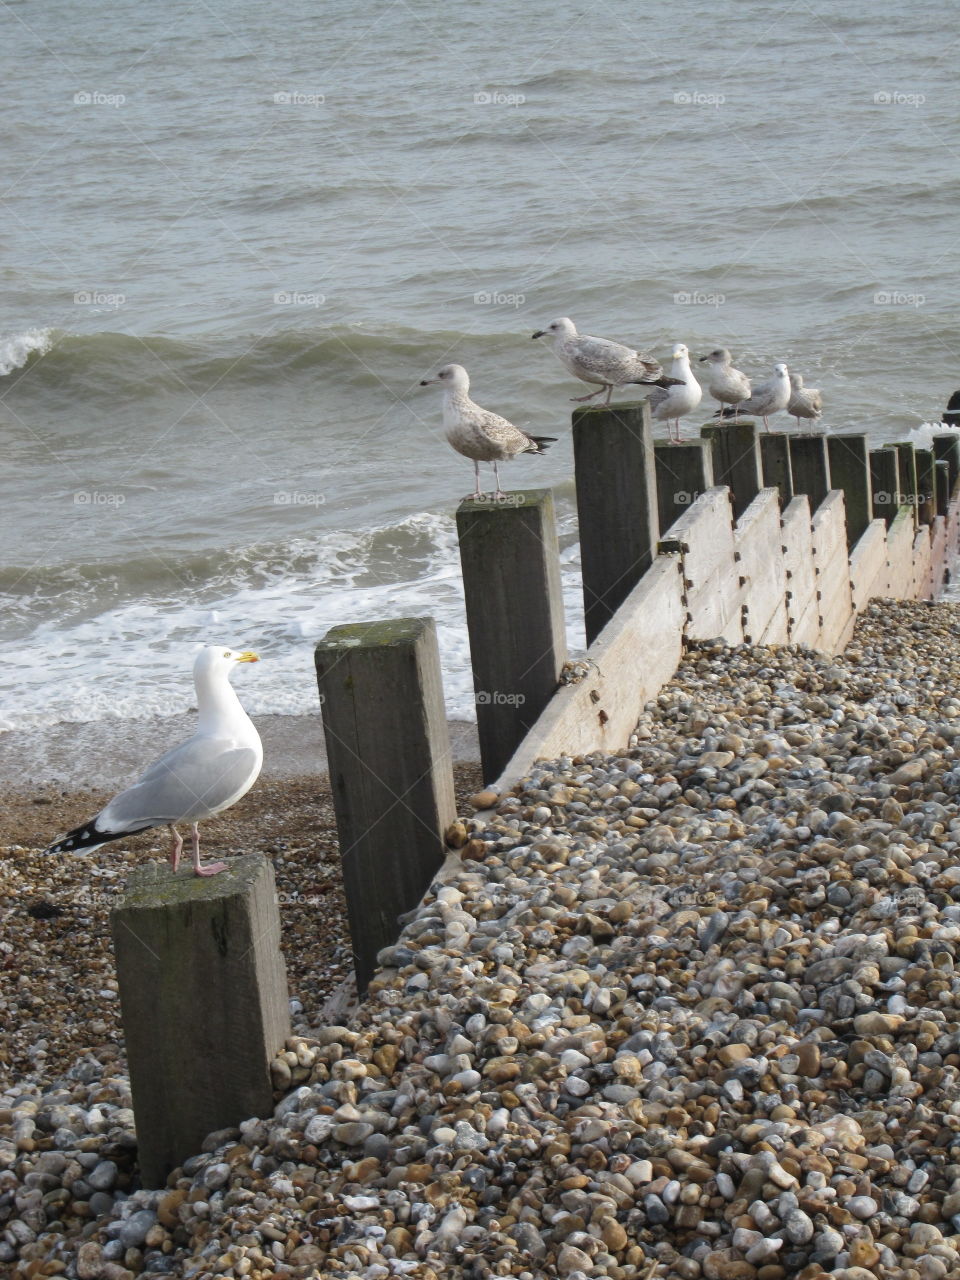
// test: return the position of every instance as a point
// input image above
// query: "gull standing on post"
(598, 360)
(726, 384)
(670, 404)
(477, 433)
(805, 402)
(203, 776)
(766, 399)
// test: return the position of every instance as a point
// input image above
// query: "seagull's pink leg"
(496, 471)
(175, 848)
(214, 867)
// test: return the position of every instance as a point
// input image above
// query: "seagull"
(477, 433)
(670, 404)
(805, 402)
(201, 777)
(597, 360)
(766, 399)
(727, 384)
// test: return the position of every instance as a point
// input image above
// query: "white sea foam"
(132, 660)
(17, 348)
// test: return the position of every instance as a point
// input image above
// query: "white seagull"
(726, 384)
(196, 780)
(477, 433)
(766, 399)
(804, 402)
(670, 404)
(598, 360)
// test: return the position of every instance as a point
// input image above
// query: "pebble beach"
(692, 1011)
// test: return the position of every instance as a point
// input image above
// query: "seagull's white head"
(796, 381)
(781, 371)
(215, 658)
(719, 356)
(561, 328)
(680, 352)
(452, 376)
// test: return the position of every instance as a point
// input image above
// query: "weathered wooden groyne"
(757, 538)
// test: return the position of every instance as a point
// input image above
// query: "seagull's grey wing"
(657, 397)
(502, 433)
(760, 399)
(608, 360)
(189, 783)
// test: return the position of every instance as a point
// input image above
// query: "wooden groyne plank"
(869, 575)
(634, 656)
(704, 538)
(833, 572)
(803, 615)
(762, 571)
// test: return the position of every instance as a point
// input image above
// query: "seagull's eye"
(226, 653)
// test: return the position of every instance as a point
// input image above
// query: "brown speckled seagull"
(477, 433)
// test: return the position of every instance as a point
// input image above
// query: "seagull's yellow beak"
(248, 656)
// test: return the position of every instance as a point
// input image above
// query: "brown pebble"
(484, 799)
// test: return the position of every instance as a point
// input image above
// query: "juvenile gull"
(477, 433)
(670, 404)
(201, 777)
(598, 360)
(805, 402)
(766, 399)
(726, 384)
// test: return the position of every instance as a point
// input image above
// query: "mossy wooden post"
(204, 1003)
(511, 582)
(946, 448)
(926, 485)
(942, 472)
(684, 471)
(736, 461)
(811, 468)
(388, 752)
(849, 458)
(884, 484)
(616, 504)
(775, 457)
(907, 465)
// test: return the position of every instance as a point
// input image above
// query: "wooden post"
(616, 504)
(946, 448)
(388, 751)
(204, 1003)
(942, 471)
(907, 469)
(684, 471)
(511, 581)
(849, 458)
(775, 456)
(884, 484)
(811, 468)
(736, 461)
(951, 415)
(926, 486)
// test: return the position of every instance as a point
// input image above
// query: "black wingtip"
(80, 839)
(543, 442)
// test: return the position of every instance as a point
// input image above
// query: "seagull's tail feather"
(663, 381)
(85, 839)
(542, 443)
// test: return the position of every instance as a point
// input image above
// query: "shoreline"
(107, 755)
